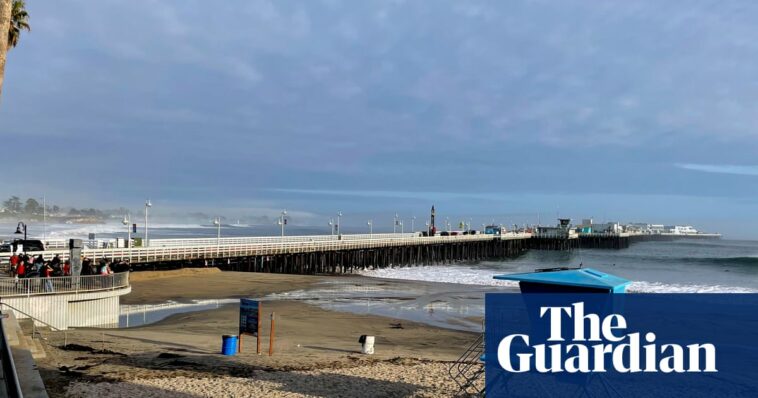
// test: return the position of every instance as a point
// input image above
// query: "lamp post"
(148, 204)
(126, 221)
(394, 224)
(413, 224)
(447, 223)
(331, 226)
(217, 223)
(401, 227)
(370, 228)
(18, 228)
(427, 228)
(283, 221)
(339, 224)
(44, 218)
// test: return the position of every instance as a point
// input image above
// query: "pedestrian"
(105, 269)
(57, 271)
(47, 272)
(14, 259)
(86, 269)
(56, 261)
(67, 268)
(21, 269)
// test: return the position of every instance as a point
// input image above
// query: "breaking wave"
(472, 276)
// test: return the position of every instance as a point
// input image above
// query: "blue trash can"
(229, 344)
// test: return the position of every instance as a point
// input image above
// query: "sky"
(627, 111)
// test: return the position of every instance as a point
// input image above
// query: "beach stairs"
(468, 370)
(25, 350)
(30, 341)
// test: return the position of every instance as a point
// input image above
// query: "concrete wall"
(66, 310)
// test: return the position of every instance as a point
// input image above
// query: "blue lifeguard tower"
(567, 280)
(545, 280)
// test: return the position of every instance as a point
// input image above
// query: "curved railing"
(10, 287)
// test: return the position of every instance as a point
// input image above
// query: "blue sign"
(250, 311)
(621, 345)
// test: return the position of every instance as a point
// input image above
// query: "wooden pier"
(331, 254)
(351, 260)
(318, 254)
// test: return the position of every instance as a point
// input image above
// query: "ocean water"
(691, 266)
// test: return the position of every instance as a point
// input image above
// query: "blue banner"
(249, 316)
(621, 345)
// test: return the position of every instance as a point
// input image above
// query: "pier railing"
(223, 249)
(11, 287)
(271, 239)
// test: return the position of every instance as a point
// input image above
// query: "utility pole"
(148, 204)
(44, 219)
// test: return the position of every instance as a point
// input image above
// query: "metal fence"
(10, 287)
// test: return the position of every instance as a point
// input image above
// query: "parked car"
(28, 245)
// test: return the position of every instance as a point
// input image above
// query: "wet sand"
(316, 351)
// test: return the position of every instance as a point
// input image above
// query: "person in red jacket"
(67, 268)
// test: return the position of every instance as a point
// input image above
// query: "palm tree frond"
(19, 22)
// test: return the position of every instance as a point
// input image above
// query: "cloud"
(393, 194)
(721, 168)
(409, 100)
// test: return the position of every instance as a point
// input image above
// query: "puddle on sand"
(447, 306)
(139, 315)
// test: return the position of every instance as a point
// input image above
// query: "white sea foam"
(472, 276)
(442, 274)
(82, 230)
(658, 287)
(79, 230)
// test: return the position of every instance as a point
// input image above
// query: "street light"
(413, 224)
(370, 227)
(401, 227)
(394, 224)
(18, 229)
(282, 221)
(44, 218)
(148, 204)
(126, 221)
(217, 223)
(331, 226)
(339, 226)
(447, 223)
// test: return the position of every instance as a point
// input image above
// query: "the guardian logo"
(612, 345)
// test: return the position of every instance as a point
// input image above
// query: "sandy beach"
(316, 351)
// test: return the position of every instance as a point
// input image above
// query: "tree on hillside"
(13, 204)
(13, 19)
(32, 206)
